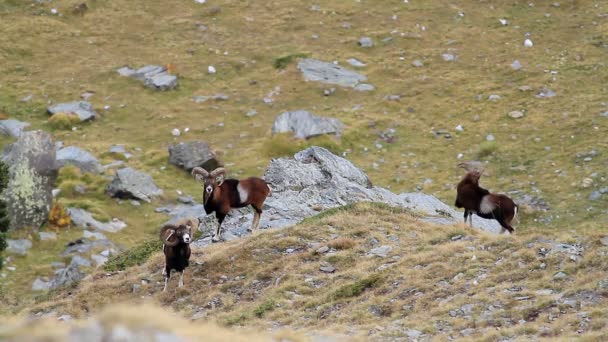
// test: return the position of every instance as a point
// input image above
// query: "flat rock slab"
(153, 76)
(19, 247)
(84, 219)
(130, 183)
(324, 72)
(85, 161)
(193, 154)
(83, 109)
(305, 125)
(13, 128)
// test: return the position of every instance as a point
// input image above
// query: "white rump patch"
(243, 193)
(486, 206)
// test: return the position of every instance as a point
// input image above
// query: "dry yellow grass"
(430, 271)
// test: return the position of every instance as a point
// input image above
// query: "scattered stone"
(84, 219)
(216, 97)
(45, 236)
(560, 275)
(211, 69)
(130, 183)
(32, 174)
(490, 137)
(12, 128)
(528, 43)
(516, 65)
(82, 159)
(365, 42)
(97, 235)
(81, 246)
(364, 87)
(503, 22)
(80, 261)
(381, 251)
(193, 154)
(153, 76)
(448, 57)
(413, 334)
(84, 110)
(355, 62)
(545, 93)
(175, 132)
(251, 113)
(322, 250)
(602, 284)
(418, 63)
(604, 240)
(392, 97)
(99, 259)
(494, 97)
(315, 70)
(595, 195)
(327, 268)
(20, 246)
(41, 285)
(305, 124)
(185, 199)
(459, 128)
(516, 114)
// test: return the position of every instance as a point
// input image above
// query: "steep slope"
(377, 272)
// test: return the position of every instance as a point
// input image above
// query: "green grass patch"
(265, 307)
(356, 288)
(283, 61)
(487, 148)
(134, 256)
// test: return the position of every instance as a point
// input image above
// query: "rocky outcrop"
(193, 154)
(32, 175)
(82, 159)
(130, 183)
(84, 219)
(315, 180)
(13, 128)
(305, 125)
(328, 73)
(153, 76)
(83, 109)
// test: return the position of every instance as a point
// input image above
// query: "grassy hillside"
(440, 281)
(51, 58)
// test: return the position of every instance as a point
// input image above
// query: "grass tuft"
(356, 288)
(134, 256)
(283, 61)
(265, 307)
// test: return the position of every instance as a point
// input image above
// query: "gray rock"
(305, 125)
(355, 62)
(44, 236)
(413, 334)
(516, 65)
(315, 70)
(494, 97)
(185, 199)
(13, 128)
(316, 180)
(80, 188)
(193, 154)
(216, 97)
(80, 261)
(418, 63)
(130, 183)
(381, 251)
(183, 212)
(68, 275)
(448, 57)
(84, 219)
(604, 241)
(99, 259)
(365, 42)
(41, 285)
(560, 275)
(83, 109)
(364, 87)
(153, 76)
(604, 114)
(82, 159)
(602, 284)
(327, 268)
(20, 246)
(88, 234)
(81, 246)
(322, 250)
(595, 195)
(545, 93)
(32, 174)
(516, 114)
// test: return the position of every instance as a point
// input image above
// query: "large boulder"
(193, 154)
(153, 76)
(13, 128)
(80, 158)
(329, 73)
(305, 125)
(20, 246)
(83, 109)
(315, 180)
(33, 172)
(130, 183)
(84, 219)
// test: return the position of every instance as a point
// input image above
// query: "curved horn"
(200, 174)
(167, 236)
(220, 173)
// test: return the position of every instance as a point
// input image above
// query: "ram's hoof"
(216, 239)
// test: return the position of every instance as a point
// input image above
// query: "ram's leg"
(181, 279)
(165, 267)
(255, 223)
(220, 218)
(167, 276)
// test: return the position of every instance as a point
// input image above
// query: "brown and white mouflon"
(220, 195)
(477, 200)
(176, 240)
